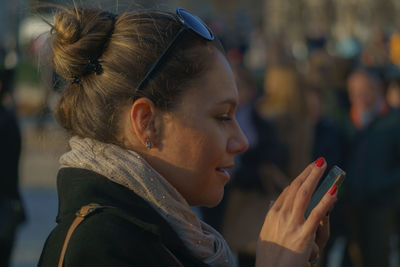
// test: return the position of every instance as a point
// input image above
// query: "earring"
(149, 144)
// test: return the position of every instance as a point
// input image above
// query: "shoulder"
(389, 123)
(394, 116)
(107, 239)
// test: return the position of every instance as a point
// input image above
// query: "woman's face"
(200, 138)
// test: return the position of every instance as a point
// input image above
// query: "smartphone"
(335, 177)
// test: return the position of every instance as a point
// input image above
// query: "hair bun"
(78, 37)
(67, 27)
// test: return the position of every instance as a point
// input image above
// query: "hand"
(287, 238)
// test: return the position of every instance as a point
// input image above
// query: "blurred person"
(393, 94)
(327, 141)
(327, 137)
(146, 145)
(339, 103)
(11, 209)
(319, 68)
(322, 74)
(373, 170)
(284, 104)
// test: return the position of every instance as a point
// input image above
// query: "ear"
(143, 117)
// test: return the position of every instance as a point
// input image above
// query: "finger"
(294, 186)
(281, 199)
(323, 233)
(320, 211)
(306, 190)
(288, 195)
(296, 183)
(323, 223)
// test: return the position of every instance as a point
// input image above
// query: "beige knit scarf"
(129, 169)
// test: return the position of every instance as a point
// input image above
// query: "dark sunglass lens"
(195, 24)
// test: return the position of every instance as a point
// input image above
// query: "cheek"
(198, 148)
(183, 144)
(207, 155)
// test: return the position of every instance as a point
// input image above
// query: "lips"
(226, 172)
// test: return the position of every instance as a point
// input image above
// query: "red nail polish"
(319, 162)
(333, 190)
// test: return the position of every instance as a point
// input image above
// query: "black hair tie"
(94, 65)
(76, 80)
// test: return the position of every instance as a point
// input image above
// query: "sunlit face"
(201, 137)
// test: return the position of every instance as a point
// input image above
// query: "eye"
(224, 117)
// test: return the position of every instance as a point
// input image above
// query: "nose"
(238, 143)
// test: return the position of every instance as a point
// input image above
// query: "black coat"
(11, 207)
(373, 161)
(133, 234)
(10, 138)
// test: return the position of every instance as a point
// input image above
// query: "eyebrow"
(230, 101)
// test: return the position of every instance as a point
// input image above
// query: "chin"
(214, 201)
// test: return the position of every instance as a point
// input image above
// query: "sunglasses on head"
(189, 22)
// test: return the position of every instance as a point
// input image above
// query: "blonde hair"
(284, 104)
(282, 92)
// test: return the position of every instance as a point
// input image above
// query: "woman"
(150, 104)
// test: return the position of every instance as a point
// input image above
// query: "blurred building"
(293, 19)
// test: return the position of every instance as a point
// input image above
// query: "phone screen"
(335, 176)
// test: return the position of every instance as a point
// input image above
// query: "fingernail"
(333, 190)
(319, 162)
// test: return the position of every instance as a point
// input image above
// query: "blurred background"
(315, 78)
